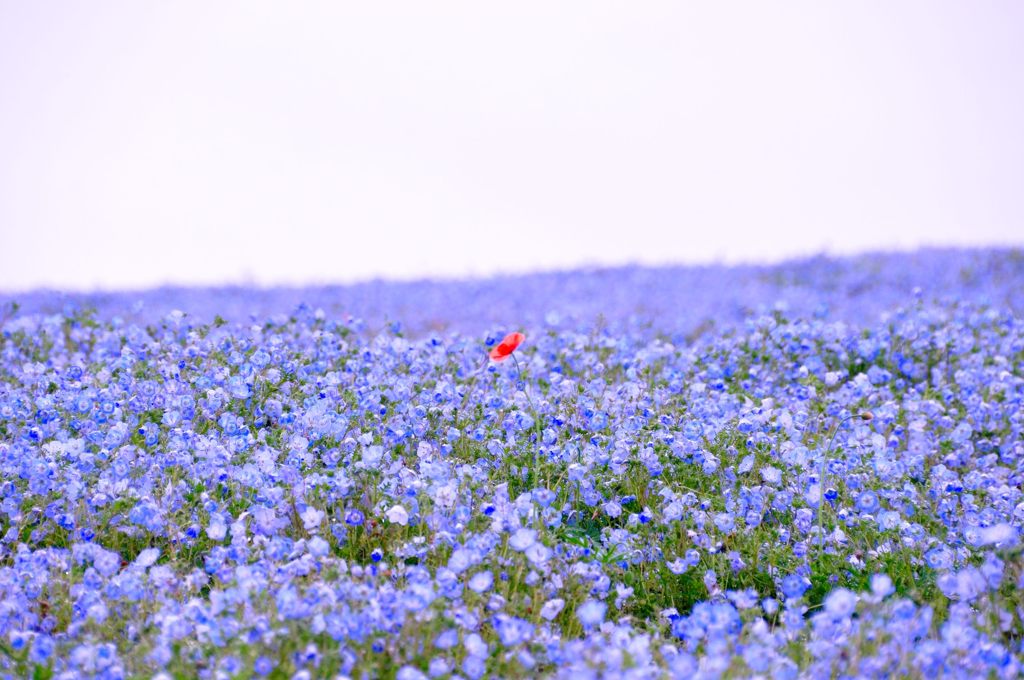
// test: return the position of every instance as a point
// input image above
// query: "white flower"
(446, 495)
(538, 554)
(398, 515)
(522, 539)
(311, 518)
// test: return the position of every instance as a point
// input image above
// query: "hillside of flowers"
(807, 470)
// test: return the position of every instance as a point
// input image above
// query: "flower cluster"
(796, 471)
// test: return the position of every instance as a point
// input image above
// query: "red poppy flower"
(507, 346)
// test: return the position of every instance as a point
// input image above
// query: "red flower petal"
(507, 346)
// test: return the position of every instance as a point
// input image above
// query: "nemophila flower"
(522, 539)
(867, 501)
(725, 522)
(410, 673)
(552, 608)
(147, 558)
(311, 518)
(447, 639)
(504, 349)
(398, 515)
(42, 649)
(460, 560)
(591, 613)
(794, 586)
(840, 603)
(474, 666)
(966, 584)
(622, 594)
(993, 569)
(711, 581)
(475, 645)
(678, 566)
(538, 554)
(511, 630)
(613, 509)
(19, 640)
(889, 520)
(881, 586)
(438, 667)
(940, 557)
(481, 581)
(318, 547)
(998, 534)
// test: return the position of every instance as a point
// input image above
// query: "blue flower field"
(807, 470)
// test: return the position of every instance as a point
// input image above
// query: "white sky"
(271, 142)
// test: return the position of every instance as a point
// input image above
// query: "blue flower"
(867, 501)
(460, 560)
(794, 586)
(840, 603)
(354, 517)
(552, 608)
(511, 630)
(522, 539)
(591, 613)
(881, 586)
(481, 581)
